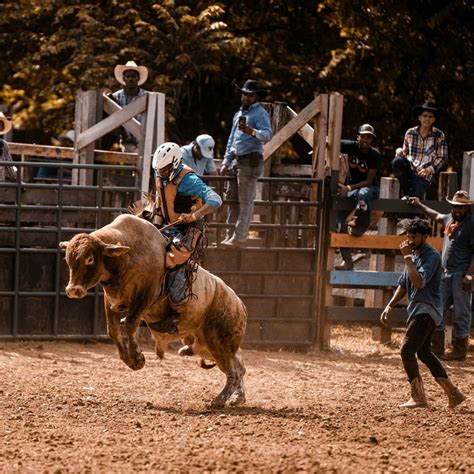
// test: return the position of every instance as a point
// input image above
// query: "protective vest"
(173, 204)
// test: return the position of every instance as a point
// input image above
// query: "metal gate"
(278, 275)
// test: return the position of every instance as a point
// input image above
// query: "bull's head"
(85, 258)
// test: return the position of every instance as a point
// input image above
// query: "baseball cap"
(206, 144)
(366, 129)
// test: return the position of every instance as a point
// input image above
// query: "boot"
(437, 343)
(168, 323)
(459, 349)
(455, 396)
(418, 397)
(345, 265)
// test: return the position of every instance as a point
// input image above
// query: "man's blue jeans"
(243, 190)
(453, 294)
(366, 195)
(410, 183)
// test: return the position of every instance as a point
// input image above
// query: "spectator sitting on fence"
(199, 155)
(423, 154)
(131, 77)
(64, 140)
(7, 173)
(420, 281)
(458, 271)
(361, 184)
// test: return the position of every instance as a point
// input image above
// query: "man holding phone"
(243, 158)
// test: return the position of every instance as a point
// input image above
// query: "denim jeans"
(417, 342)
(366, 194)
(176, 284)
(410, 183)
(243, 190)
(453, 294)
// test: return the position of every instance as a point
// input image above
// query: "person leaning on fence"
(131, 77)
(360, 184)
(199, 155)
(183, 199)
(458, 271)
(243, 158)
(423, 154)
(420, 281)
(7, 173)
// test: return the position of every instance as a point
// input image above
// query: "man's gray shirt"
(459, 248)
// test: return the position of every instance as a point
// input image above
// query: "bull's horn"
(63, 245)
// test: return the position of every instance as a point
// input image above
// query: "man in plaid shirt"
(7, 173)
(423, 154)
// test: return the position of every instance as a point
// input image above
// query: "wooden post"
(336, 104)
(320, 136)
(389, 189)
(467, 182)
(448, 185)
(86, 115)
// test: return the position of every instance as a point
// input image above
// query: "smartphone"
(242, 120)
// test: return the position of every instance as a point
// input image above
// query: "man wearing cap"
(423, 154)
(199, 155)
(7, 173)
(458, 271)
(361, 184)
(243, 158)
(131, 77)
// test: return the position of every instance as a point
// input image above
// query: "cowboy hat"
(252, 87)
(366, 129)
(130, 66)
(428, 106)
(7, 124)
(460, 198)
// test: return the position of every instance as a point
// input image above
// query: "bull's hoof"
(218, 402)
(238, 401)
(137, 362)
(186, 351)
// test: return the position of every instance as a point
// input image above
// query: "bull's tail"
(205, 365)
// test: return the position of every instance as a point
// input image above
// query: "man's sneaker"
(346, 265)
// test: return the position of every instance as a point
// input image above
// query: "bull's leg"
(239, 398)
(234, 370)
(129, 351)
(136, 359)
(161, 341)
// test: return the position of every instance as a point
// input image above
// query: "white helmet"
(166, 154)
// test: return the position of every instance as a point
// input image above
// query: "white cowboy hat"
(131, 65)
(7, 124)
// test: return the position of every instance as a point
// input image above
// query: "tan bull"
(127, 259)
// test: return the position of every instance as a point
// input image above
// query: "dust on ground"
(71, 407)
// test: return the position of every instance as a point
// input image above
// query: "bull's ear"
(113, 250)
(63, 245)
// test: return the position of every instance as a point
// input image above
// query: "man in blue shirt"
(458, 271)
(243, 158)
(420, 282)
(199, 155)
(183, 199)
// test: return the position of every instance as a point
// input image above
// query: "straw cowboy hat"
(130, 66)
(428, 106)
(7, 123)
(460, 198)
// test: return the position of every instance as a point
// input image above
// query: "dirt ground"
(70, 407)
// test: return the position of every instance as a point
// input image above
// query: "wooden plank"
(290, 129)
(336, 104)
(377, 242)
(394, 206)
(306, 132)
(363, 279)
(467, 183)
(342, 313)
(448, 185)
(319, 165)
(148, 142)
(110, 123)
(132, 126)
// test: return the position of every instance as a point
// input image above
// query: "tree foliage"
(384, 56)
